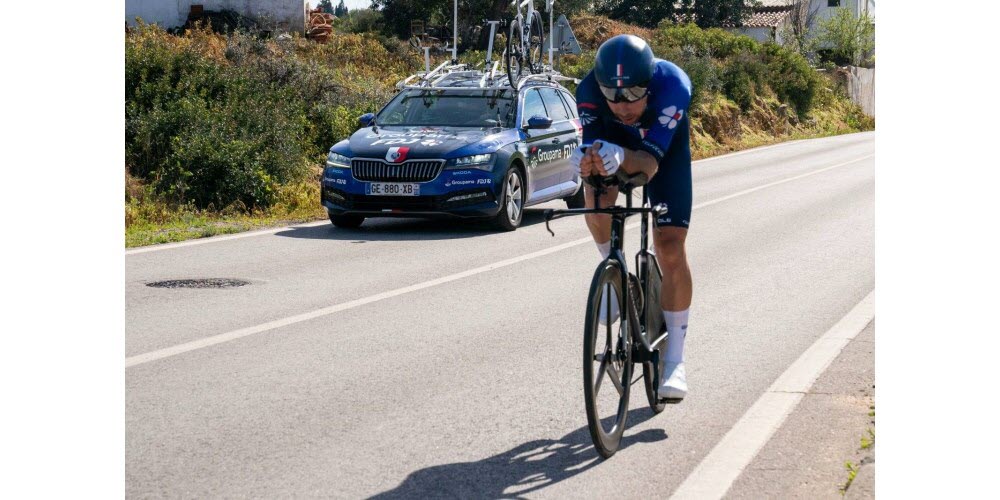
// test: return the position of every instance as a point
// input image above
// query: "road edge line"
(727, 460)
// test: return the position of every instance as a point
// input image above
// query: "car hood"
(425, 142)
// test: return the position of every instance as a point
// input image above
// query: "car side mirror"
(539, 121)
(365, 119)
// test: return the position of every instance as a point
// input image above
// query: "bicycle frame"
(525, 27)
(619, 215)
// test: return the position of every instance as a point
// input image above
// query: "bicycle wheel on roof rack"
(513, 60)
(535, 39)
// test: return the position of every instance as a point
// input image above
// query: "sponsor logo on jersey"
(649, 144)
(397, 155)
(671, 115)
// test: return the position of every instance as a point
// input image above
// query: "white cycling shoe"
(603, 311)
(673, 383)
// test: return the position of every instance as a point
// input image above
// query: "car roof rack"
(450, 76)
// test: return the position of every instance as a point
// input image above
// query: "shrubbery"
(737, 65)
(217, 120)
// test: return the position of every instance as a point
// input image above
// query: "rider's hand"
(576, 158)
(611, 155)
(592, 164)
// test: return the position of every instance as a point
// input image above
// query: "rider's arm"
(671, 95)
(588, 106)
(640, 161)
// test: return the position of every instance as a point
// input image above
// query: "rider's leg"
(675, 299)
(600, 224)
(675, 289)
(600, 228)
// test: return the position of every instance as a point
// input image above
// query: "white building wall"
(289, 14)
(760, 34)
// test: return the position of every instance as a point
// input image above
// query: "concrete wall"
(288, 14)
(861, 88)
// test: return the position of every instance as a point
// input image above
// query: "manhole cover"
(200, 283)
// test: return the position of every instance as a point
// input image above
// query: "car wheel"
(511, 201)
(578, 200)
(347, 221)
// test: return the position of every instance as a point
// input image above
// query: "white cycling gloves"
(611, 155)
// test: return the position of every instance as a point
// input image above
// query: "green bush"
(741, 68)
(790, 77)
(226, 120)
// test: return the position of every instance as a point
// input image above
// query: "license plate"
(392, 189)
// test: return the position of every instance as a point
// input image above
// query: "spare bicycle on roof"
(522, 57)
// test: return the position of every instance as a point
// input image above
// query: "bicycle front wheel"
(607, 359)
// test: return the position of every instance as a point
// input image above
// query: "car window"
(570, 104)
(465, 108)
(533, 106)
(554, 105)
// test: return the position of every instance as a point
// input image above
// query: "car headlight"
(338, 160)
(482, 162)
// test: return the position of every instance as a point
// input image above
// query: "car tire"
(512, 193)
(578, 200)
(347, 221)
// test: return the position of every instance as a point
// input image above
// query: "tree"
(326, 5)
(704, 13)
(849, 39)
(341, 9)
(795, 34)
(399, 13)
(640, 12)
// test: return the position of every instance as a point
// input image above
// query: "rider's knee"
(670, 247)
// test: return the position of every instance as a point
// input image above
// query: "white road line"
(215, 239)
(790, 179)
(243, 332)
(730, 456)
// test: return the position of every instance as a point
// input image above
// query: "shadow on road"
(526, 468)
(404, 229)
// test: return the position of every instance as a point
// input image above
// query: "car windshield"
(451, 108)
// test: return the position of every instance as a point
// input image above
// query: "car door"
(566, 141)
(542, 144)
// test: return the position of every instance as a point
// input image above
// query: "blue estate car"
(457, 149)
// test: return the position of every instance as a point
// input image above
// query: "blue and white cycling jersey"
(663, 131)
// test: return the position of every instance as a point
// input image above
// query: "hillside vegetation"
(225, 133)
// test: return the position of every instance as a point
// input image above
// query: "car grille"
(408, 171)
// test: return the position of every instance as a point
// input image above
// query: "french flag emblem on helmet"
(397, 155)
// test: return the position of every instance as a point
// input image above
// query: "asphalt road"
(343, 369)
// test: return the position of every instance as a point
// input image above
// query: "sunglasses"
(624, 94)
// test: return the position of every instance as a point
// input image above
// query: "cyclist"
(633, 108)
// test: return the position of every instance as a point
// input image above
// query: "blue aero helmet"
(623, 68)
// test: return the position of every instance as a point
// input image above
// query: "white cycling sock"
(604, 248)
(677, 323)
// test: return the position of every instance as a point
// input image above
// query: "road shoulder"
(807, 457)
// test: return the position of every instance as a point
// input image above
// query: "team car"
(459, 143)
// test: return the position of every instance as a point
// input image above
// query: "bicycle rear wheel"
(650, 280)
(514, 57)
(535, 39)
(607, 359)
